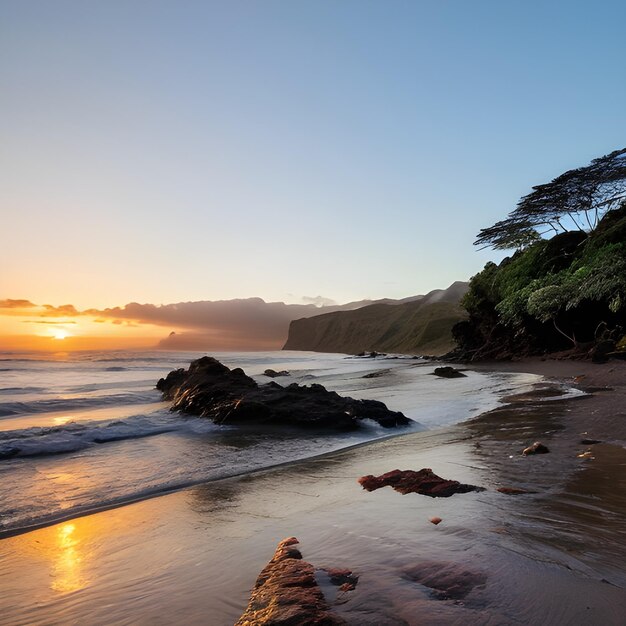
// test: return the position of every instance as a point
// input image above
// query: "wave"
(73, 436)
(11, 409)
(19, 390)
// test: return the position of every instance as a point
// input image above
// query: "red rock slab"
(425, 482)
(287, 594)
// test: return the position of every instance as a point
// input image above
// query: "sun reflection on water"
(67, 571)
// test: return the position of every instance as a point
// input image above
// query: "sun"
(60, 333)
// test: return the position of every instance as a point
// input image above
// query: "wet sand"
(555, 556)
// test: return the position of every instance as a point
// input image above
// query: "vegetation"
(577, 200)
(568, 291)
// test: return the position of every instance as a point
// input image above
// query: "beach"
(552, 556)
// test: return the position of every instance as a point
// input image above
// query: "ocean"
(87, 431)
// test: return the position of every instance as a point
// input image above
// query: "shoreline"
(238, 521)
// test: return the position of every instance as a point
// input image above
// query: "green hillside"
(422, 326)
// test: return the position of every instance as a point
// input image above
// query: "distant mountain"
(242, 324)
(416, 325)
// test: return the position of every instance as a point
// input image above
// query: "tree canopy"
(577, 199)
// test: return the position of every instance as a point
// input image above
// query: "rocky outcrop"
(424, 482)
(287, 593)
(210, 389)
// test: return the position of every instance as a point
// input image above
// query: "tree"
(577, 199)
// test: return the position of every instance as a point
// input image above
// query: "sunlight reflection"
(63, 419)
(67, 571)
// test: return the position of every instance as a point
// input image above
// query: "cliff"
(422, 325)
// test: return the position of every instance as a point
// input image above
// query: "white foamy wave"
(74, 436)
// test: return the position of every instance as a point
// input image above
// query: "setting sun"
(60, 333)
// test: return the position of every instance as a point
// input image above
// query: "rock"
(513, 491)
(424, 482)
(536, 448)
(448, 372)
(448, 581)
(287, 593)
(212, 390)
(370, 355)
(435, 520)
(342, 578)
(589, 442)
(600, 352)
(270, 373)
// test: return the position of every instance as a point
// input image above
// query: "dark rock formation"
(425, 482)
(287, 593)
(589, 442)
(226, 396)
(448, 372)
(536, 448)
(270, 373)
(448, 581)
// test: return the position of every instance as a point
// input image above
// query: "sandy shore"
(554, 556)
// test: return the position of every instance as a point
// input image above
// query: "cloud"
(242, 324)
(47, 322)
(65, 310)
(16, 304)
(318, 301)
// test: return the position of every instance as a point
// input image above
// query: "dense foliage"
(567, 292)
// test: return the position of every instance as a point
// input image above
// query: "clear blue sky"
(166, 151)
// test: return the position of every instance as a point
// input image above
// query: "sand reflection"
(67, 549)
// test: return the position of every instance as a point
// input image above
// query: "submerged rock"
(287, 593)
(210, 389)
(342, 578)
(424, 482)
(448, 581)
(448, 372)
(536, 448)
(513, 491)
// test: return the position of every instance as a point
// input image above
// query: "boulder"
(287, 593)
(448, 372)
(424, 482)
(210, 389)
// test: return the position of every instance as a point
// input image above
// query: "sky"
(162, 152)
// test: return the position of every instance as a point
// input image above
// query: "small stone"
(435, 520)
(536, 448)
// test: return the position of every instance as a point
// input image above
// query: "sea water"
(86, 431)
